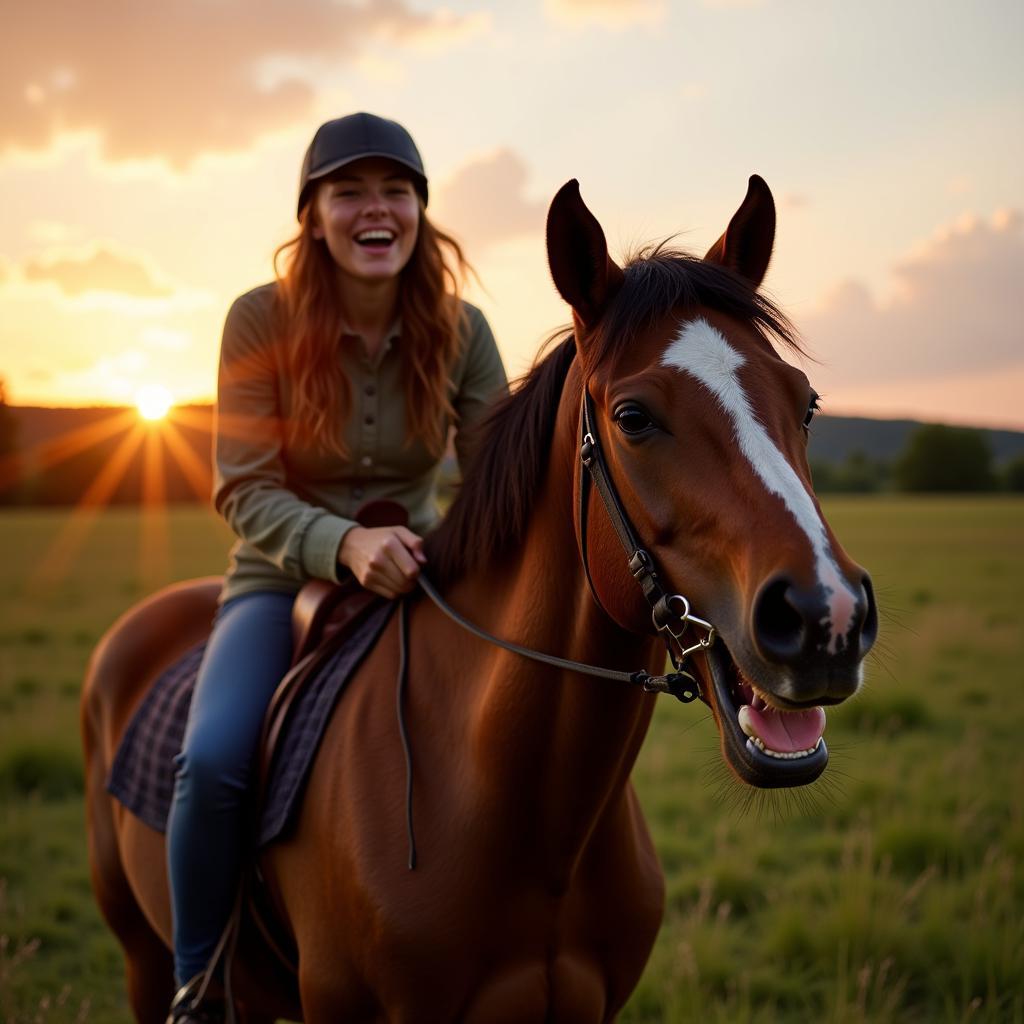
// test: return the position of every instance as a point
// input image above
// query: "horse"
(537, 893)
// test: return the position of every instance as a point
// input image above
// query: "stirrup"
(198, 1002)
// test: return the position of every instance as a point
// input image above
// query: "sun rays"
(153, 402)
(134, 449)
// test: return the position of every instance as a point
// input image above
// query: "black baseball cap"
(347, 139)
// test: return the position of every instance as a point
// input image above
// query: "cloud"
(115, 377)
(484, 202)
(176, 80)
(951, 307)
(612, 14)
(102, 270)
(157, 336)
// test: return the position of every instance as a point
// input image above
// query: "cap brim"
(322, 172)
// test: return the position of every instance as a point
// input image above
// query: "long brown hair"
(431, 314)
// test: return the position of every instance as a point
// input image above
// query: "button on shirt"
(291, 505)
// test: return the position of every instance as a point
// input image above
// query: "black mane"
(491, 511)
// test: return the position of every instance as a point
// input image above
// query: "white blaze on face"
(701, 351)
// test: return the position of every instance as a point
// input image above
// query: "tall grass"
(890, 891)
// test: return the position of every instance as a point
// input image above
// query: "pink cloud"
(484, 202)
(951, 306)
(100, 271)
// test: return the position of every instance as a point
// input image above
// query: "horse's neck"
(556, 747)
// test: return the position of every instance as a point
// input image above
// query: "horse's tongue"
(783, 731)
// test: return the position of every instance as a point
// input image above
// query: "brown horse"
(538, 894)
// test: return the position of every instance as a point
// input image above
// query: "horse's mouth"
(765, 744)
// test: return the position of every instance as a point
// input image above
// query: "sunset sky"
(149, 157)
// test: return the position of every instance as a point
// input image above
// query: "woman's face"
(369, 216)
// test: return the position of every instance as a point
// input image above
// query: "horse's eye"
(632, 419)
(812, 408)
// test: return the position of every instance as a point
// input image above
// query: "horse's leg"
(329, 989)
(149, 967)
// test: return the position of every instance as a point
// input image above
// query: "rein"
(671, 624)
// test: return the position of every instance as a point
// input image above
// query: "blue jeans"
(249, 651)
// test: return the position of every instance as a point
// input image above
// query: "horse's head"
(704, 430)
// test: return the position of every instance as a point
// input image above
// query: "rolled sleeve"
(320, 545)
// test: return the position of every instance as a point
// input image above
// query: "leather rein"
(670, 613)
(671, 624)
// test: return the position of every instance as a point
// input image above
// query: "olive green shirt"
(290, 503)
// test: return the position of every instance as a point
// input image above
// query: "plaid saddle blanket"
(142, 775)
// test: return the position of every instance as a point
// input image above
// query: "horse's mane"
(490, 513)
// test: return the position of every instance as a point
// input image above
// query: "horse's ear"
(746, 246)
(584, 274)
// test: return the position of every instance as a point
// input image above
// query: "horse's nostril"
(778, 625)
(869, 628)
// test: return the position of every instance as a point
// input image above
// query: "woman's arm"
(483, 382)
(251, 488)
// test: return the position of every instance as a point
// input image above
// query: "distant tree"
(859, 474)
(941, 458)
(823, 474)
(1013, 474)
(856, 474)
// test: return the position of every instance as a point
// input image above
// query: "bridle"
(668, 621)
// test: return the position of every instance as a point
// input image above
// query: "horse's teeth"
(781, 755)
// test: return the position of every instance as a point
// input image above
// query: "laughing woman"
(338, 384)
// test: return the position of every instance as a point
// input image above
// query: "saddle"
(323, 615)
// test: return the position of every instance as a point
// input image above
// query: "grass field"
(892, 890)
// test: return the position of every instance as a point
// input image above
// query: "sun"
(153, 401)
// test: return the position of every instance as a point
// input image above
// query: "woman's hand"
(385, 559)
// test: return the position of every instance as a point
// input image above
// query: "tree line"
(936, 459)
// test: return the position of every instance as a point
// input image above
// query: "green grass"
(891, 891)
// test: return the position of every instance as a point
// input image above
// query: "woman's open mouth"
(376, 239)
(766, 745)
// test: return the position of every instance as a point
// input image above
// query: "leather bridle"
(669, 622)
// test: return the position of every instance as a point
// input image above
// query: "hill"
(835, 438)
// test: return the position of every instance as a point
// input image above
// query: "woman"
(337, 385)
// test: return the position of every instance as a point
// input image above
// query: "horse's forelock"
(659, 279)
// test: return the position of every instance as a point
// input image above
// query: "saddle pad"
(142, 775)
